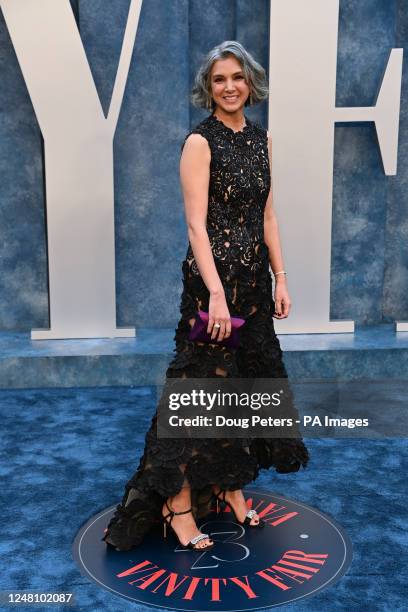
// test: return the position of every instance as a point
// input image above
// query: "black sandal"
(192, 543)
(221, 502)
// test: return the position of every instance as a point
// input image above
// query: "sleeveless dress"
(239, 184)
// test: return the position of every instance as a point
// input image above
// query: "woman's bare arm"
(272, 240)
(271, 228)
(195, 176)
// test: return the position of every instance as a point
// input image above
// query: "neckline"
(226, 127)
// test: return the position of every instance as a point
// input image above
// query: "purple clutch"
(199, 331)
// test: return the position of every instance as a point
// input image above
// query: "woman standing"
(225, 171)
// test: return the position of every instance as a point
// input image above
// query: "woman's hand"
(282, 300)
(218, 313)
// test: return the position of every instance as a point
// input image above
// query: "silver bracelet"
(280, 272)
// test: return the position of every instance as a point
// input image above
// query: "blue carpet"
(66, 454)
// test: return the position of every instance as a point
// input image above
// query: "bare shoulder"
(196, 141)
(196, 146)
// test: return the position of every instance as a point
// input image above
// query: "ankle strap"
(174, 512)
(184, 511)
(221, 495)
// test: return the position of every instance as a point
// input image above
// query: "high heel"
(191, 545)
(221, 501)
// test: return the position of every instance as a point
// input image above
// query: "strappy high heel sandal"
(192, 543)
(222, 502)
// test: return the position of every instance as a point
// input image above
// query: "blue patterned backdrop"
(369, 280)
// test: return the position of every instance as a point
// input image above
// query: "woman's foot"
(238, 503)
(184, 524)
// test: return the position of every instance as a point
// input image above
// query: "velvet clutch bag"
(199, 331)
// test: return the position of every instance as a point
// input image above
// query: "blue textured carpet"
(66, 454)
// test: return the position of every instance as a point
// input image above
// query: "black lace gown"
(238, 189)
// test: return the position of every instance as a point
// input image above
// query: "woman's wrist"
(216, 291)
(280, 276)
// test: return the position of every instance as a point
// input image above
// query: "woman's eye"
(237, 77)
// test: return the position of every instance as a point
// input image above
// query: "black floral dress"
(239, 184)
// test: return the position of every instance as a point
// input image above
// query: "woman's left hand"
(282, 300)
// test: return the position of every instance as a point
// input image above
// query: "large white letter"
(302, 114)
(78, 142)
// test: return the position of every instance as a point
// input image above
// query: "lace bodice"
(238, 189)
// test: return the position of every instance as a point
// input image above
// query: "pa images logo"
(299, 552)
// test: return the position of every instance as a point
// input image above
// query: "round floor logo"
(299, 552)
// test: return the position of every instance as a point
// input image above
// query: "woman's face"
(228, 86)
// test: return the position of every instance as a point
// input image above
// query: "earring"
(209, 102)
(250, 99)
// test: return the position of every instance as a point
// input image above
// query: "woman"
(233, 239)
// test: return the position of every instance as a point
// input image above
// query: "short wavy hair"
(255, 75)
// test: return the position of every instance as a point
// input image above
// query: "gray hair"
(254, 74)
